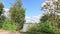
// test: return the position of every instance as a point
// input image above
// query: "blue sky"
(32, 6)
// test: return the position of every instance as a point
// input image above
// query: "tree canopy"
(18, 14)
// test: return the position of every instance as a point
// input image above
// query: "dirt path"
(8, 32)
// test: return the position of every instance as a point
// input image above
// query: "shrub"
(9, 26)
(45, 28)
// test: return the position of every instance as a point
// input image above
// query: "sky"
(33, 8)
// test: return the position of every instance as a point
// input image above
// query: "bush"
(45, 28)
(9, 26)
(33, 29)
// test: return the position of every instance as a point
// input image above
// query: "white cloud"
(33, 19)
(6, 9)
(6, 12)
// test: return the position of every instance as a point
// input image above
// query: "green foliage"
(40, 28)
(9, 26)
(2, 17)
(33, 29)
(18, 14)
(1, 8)
(45, 28)
(44, 18)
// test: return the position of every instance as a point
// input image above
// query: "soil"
(8, 32)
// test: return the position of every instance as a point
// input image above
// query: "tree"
(2, 17)
(18, 14)
(57, 6)
(52, 7)
(1, 8)
(46, 17)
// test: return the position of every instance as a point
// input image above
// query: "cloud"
(6, 12)
(33, 19)
(6, 9)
